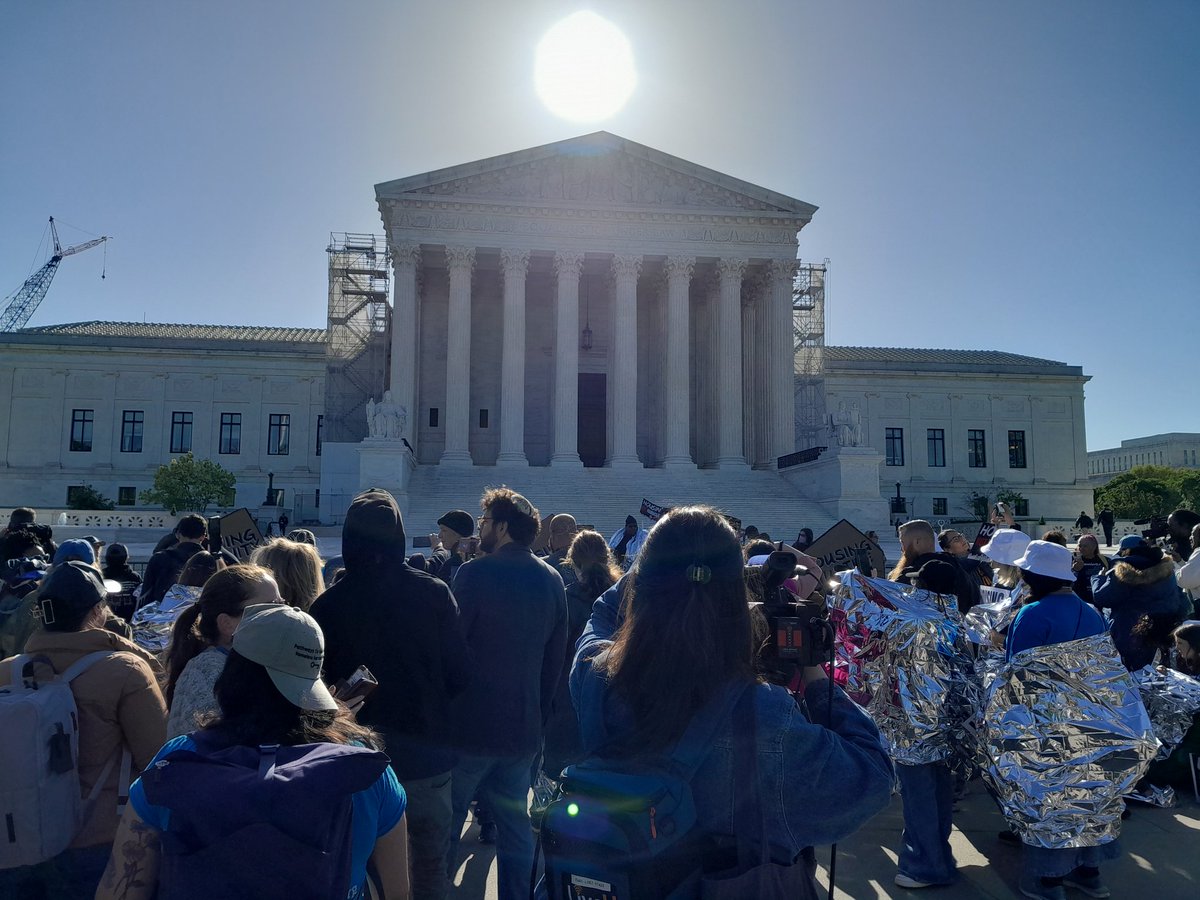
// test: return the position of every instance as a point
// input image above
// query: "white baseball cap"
(1006, 546)
(287, 643)
(1047, 558)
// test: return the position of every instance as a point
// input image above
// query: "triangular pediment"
(598, 169)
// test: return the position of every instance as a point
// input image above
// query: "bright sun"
(584, 70)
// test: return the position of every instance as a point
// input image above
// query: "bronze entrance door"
(592, 418)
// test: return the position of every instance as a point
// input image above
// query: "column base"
(456, 458)
(624, 462)
(678, 462)
(512, 459)
(566, 461)
(733, 464)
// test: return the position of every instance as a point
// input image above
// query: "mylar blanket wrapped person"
(1065, 737)
(901, 655)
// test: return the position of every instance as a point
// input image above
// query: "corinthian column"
(568, 265)
(749, 417)
(458, 356)
(625, 271)
(781, 376)
(514, 264)
(402, 376)
(678, 393)
(762, 373)
(729, 365)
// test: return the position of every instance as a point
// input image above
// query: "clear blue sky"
(1019, 175)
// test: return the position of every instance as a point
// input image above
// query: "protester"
(21, 574)
(1005, 547)
(201, 640)
(302, 536)
(956, 544)
(1087, 563)
(675, 650)
(272, 701)
(804, 539)
(1084, 522)
(595, 571)
(1052, 615)
(403, 625)
(626, 543)
(297, 570)
(120, 708)
(757, 547)
(514, 614)
(1177, 769)
(165, 565)
(116, 568)
(1054, 536)
(1146, 603)
(1188, 575)
(24, 618)
(451, 546)
(917, 545)
(563, 529)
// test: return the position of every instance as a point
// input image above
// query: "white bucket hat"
(1006, 546)
(1046, 558)
(288, 643)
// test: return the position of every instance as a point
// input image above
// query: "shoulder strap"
(84, 663)
(696, 742)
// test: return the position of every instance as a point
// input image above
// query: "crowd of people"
(233, 716)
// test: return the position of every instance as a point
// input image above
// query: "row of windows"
(1125, 463)
(941, 507)
(133, 421)
(935, 442)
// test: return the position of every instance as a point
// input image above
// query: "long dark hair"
(1042, 585)
(687, 625)
(593, 562)
(196, 628)
(253, 713)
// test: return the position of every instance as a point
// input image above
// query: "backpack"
(264, 822)
(623, 831)
(39, 754)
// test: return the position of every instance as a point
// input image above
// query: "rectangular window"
(278, 434)
(74, 491)
(483, 418)
(181, 432)
(320, 429)
(126, 496)
(940, 506)
(936, 439)
(1016, 449)
(231, 433)
(1021, 507)
(132, 423)
(81, 430)
(976, 449)
(433, 417)
(894, 439)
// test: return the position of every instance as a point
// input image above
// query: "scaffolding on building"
(808, 331)
(356, 362)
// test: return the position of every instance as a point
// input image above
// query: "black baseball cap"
(72, 587)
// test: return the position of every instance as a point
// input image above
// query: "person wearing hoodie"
(1146, 603)
(120, 707)
(403, 625)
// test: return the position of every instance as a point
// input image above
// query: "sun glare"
(584, 69)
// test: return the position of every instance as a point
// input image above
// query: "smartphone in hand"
(360, 684)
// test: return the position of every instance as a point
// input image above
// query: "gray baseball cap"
(288, 643)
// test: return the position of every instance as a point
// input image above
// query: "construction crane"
(26, 300)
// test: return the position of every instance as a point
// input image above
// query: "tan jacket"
(119, 704)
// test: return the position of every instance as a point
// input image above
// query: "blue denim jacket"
(819, 784)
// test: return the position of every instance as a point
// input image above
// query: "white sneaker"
(905, 881)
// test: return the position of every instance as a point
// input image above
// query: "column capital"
(406, 254)
(783, 268)
(460, 257)
(514, 262)
(626, 266)
(731, 267)
(568, 263)
(680, 266)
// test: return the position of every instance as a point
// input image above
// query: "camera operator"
(1188, 575)
(681, 649)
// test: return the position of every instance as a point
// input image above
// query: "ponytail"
(186, 643)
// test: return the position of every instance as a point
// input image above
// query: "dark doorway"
(592, 419)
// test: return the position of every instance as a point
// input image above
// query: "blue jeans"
(430, 816)
(1039, 862)
(502, 782)
(928, 795)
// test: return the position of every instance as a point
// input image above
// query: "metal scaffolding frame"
(357, 358)
(808, 331)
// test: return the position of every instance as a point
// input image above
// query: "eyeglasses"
(483, 519)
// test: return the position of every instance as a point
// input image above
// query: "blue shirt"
(1056, 618)
(377, 810)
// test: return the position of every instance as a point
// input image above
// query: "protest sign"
(993, 594)
(239, 533)
(653, 511)
(986, 530)
(838, 547)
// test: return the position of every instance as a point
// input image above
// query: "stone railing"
(100, 518)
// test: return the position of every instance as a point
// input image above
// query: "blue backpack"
(620, 830)
(266, 822)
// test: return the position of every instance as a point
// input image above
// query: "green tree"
(187, 483)
(1146, 491)
(87, 497)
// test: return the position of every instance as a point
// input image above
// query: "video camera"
(799, 633)
(1158, 528)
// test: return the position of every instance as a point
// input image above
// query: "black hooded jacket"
(401, 624)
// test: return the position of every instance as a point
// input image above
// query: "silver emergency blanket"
(152, 623)
(1065, 737)
(991, 616)
(1171, 700)
(901, 655)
